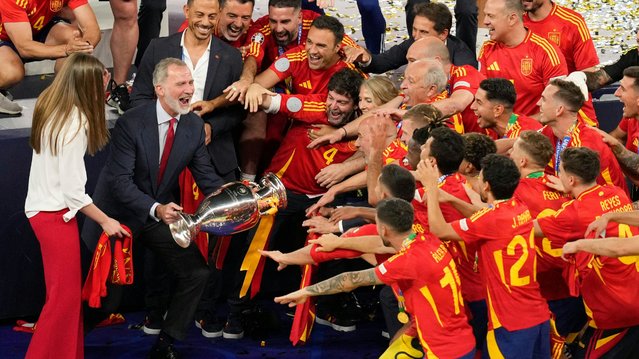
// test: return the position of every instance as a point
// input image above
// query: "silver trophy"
(234, 208)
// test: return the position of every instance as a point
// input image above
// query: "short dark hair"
(396, 213)
(633, 73)
(296, 4)
(447, 147)
(537, 147)
(346, 82)
(499, 90)
(330, 23)
(420, 135)
(569, 94)
(476, 147)
(223, 2)
(436, 12)
(399, 181)
(502, 175)
(581, 162)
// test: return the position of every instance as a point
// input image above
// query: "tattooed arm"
(597, 79)
(344, 282)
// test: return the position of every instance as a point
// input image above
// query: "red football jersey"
(427, 276)
(294, 163)
(38, 13)
(304, 80)
(522, 123)
(567, 29)
(584, 136)
(466, 78)
(606, 284)
(455, 121)
(631, 127)
(365, 230)
(529, 65)
(264, 49)
(506, 244)
(543, 201)
(395, 152)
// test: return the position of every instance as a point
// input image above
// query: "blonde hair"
(381, 89)
(78, 84)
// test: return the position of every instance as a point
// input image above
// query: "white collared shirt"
(164, 119)
(198, 71)
(58, 181)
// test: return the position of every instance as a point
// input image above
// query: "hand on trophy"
(168, 213)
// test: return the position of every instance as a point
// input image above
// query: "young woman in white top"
(68, 121)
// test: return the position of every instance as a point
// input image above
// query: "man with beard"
(297, 167)
(214, 65)
(152, 144)
(559, 104)
(493, 106)
(566, 29)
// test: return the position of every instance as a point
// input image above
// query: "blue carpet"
(121, 342)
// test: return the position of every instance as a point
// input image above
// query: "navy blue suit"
(225, 67)
(127, 189)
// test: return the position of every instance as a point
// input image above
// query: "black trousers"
(185, 265)
(149, 22)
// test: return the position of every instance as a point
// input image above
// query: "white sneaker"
(7, 105)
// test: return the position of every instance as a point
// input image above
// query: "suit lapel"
(151, 139)
(214, 61)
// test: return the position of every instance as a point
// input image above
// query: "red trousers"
(59, 331)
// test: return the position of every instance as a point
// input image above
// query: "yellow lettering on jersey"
(550, 195)
(626, 232)
(521, 219)
(195, 191)
(22, 3)
(609, 204)
(39, 24)
(439, 254)
(329, 155)
(418, 228)
(429, 298)
(514, 278)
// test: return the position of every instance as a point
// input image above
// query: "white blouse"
(58, 182)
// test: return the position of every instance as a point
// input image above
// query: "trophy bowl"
(235, 207)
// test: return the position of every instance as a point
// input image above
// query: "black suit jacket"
(127, 187)
(395, 57)
(225, 67)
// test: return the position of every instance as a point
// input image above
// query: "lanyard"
(441, 179)
(561, 146)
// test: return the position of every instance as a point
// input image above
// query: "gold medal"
(402, 317)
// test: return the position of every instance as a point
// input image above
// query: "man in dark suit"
(151, 145)
(431, 19)
(215, 65)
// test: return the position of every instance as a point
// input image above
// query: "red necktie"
(170, 135)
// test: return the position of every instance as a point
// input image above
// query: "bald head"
(429, 47)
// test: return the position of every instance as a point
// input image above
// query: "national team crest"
(526, 66)
(258, 38)
(56, 5)
(555, 37)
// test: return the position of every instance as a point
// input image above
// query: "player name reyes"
(521, 219)
(611, 203)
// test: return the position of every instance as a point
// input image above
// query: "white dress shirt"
(58, 181)
(198, 71)
(164, 119)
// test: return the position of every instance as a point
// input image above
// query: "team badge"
(294, 104)
(555, 36)
(282, 64)
(526, 66)
(257, 38)
(56, 5)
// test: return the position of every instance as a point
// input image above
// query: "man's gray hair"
(161, 71)
(435, 74)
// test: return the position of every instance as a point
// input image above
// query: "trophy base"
(181, 232)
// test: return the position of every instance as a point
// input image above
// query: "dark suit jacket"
(225, 67)
(395, 57)
(127, 187)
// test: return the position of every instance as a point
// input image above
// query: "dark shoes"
(211, 328)
(163, 353)
(341, 324)
(151, 325)
(233, 328)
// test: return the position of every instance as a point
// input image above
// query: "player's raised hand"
(342, 213)
(331, 175)
(319, 224)
(237, 90)
(254, 98)
(327, 198)
(555, 183)
(356, 54)
(328, 138)
(78, 44)
(326, 243)
(568, 250)
(201, 108)
(277, 256)
(427, 173)
(318, 130)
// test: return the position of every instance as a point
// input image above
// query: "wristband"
(345, 133)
